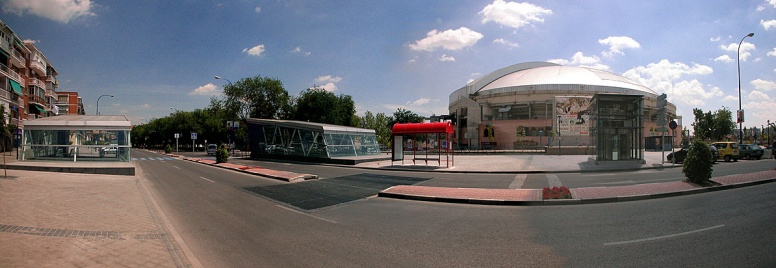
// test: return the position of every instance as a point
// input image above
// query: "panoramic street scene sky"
(159, 56)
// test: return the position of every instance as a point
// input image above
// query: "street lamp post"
(740, 113)
(229, 137)
(98, 102)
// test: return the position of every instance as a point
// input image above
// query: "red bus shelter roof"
(420, 128)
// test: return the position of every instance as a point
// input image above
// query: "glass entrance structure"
(77, 138)
(309, 140)
(617, 129)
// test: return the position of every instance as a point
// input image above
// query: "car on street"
(679, 156)
(212, 149)
(750, 151)
(728, 150)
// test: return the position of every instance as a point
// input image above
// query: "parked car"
(728, 150)
(750, 151)
(212, 149)
(679, 156)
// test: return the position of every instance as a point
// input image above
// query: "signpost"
(193, 139)
(177, 135)
(662, 117)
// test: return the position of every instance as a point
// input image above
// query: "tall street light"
(230, 136)
(740, 113)
(98, 102)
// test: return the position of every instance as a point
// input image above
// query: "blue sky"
(156, 54)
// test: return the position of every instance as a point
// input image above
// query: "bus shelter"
(435, 137)
(77, 138)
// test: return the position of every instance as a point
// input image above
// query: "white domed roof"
(535, 74)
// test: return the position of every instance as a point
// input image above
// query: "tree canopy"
(318, 105)
(713, 125)
(258, 97)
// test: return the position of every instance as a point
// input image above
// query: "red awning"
(420, 128)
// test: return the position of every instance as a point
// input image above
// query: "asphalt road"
(226, 226)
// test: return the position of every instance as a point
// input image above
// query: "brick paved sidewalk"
(579, 195)
(81, 220)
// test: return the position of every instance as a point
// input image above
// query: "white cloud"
(745, 47)
(329, 82)
(772, 2)
(724, 58)
(660, 77)
(715, 39)
(513, 14)
(208, 89)
(258, 10)
(418, 102)
(579, 59)
(445, 57)
(617, 44)
(254, 51)
(692, 93)
(768, 24)
(772, 52)
(330, 87)
(449, 39)
(58, 10)
(328, 78)
(760, 8)
(298, 50)
(757, 95)
(763, 85)
(505, 42)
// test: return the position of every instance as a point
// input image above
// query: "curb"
(253, 170)
(553, 202)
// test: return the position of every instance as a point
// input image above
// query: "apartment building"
(28, 83)
(70, 103)
(13, 80)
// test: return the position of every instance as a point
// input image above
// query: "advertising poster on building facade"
(574, 115)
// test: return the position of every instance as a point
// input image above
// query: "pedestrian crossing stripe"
(153, 158)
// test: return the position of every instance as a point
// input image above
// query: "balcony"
(17, 59)
(52, 94)
(10, 73)
(38, 67)
(36, 82)
(51, 79)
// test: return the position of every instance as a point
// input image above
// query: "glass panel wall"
(279, 140)
(617, 127)
(76, 145)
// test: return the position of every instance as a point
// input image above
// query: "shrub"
(167, 149)
(222, 155)
(697, 165)
(556, 193)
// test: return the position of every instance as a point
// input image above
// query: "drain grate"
(321, 193)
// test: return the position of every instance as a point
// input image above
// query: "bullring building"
(527, 104)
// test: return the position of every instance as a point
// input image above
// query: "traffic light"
(662, 113)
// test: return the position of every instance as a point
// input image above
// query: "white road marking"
(290, 209)
(553, 180)
(662, 237)
(206, 179)
(176, 167)
(518, 182)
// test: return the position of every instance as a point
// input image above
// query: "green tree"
(318, 105)
(380, 124)
(697, 166)
(723, 124)
(713, 125)
(258, 97)
(404, 116)
(222, 154)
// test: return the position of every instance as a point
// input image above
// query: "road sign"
(193, 135)
(177, 135)
(672, 125)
